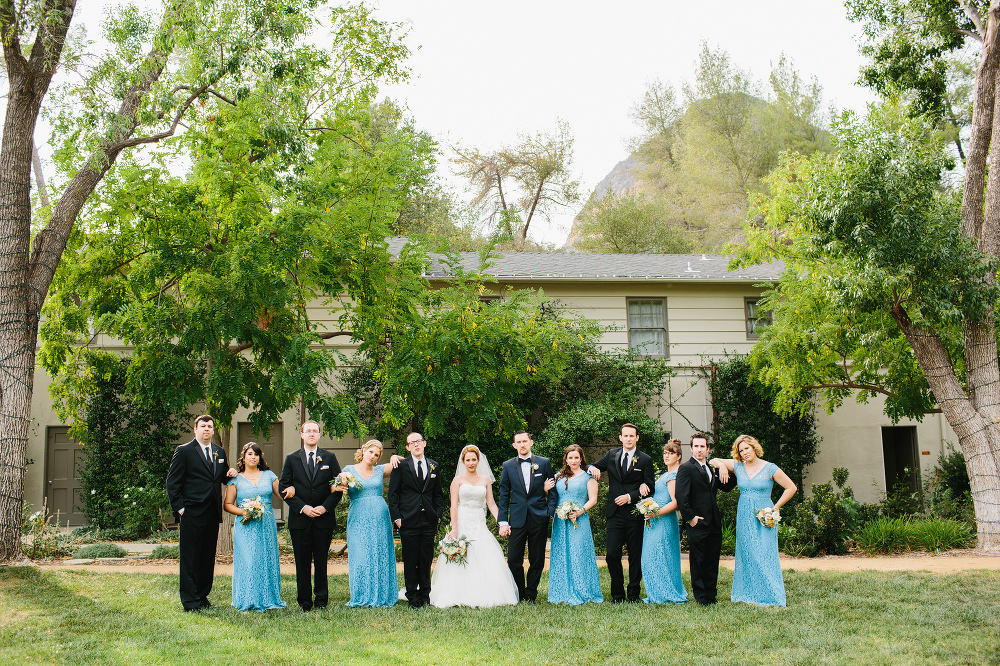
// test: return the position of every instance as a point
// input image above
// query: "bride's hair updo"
(471, 448)
(371, 443)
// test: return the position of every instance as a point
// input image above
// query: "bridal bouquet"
(566, 508)
(254, 508)
(649, 508)
(455, 550)
(769, 517)
(347, 480)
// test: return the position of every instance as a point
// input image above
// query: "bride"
(484, 580)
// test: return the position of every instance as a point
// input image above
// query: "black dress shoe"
(617, 601)
(634, 601)
(206, 604)
(305, 609)
(194, 609)
(705, 602)
(320, 607)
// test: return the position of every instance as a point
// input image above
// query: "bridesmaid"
(256, 568)
(661, 545)
(371, 552)
(757, 579)
(573, 577)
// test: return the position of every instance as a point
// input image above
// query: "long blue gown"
(757, 579)
(661, 552)
(371, 553)
(573, 577)
(256, 568)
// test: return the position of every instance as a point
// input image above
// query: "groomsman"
(311, 516)
(696, 487)
(524, 513)
(630, 477)
(194, 488)
(416, 503)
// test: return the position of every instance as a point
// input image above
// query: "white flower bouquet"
(347, 480)
(254, 508)
(769, 517)
(455, 550)
(648, 508)
(566, 508)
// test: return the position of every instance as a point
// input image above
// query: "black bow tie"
(524, 460)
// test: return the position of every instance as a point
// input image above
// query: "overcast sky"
(482, 72)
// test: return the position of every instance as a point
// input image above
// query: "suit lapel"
(305, 462)
(427, 475)
(531, 474)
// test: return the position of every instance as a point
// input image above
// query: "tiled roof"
(586, 266)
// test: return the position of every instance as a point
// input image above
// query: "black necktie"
(709, 473)
(420, 471)
(208, 457)
(312, 464)
(624, 463)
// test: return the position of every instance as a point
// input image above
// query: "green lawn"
(833, 618)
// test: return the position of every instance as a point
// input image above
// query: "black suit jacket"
(515, 503)
(639, 472)
(193, 485)
(407, 495)
(696, 496)
(311, 491)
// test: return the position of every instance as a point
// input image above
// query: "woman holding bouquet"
(757, 579)
(371, 552)
(481, 579)
(661, 546)
(256, 570)
(573, 577)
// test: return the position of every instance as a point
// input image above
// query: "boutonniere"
(215, 456)
(534, 467)
(431, 467)
(319, 459)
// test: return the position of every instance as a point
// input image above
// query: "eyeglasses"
(416, 441)
(310, 431)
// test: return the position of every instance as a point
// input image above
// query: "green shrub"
(139, 513)
(948, 489)
(40, 539)
(934, 534)
(96, 550)
(728, 540)
(901, 501)
(163, 552)
(885, 536)
(822, 523)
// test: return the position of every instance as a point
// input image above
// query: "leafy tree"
(159, 72)
(629, 224)
(889, 285)
(514, 183)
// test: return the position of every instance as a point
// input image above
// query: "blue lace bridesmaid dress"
(661, 552)
(371, 553)
(256, 568)
(757, 579)
(573, 577)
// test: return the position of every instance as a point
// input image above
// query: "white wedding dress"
(484, 580)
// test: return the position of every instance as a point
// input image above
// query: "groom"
(415, 506)
(524, 513)
(696, 486)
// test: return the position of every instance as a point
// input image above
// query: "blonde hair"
(472, 448)
(752, 441)
(371, 443)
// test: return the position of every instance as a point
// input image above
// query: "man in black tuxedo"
(194, 487)
(415, 506)
(524, 513)
(311, 518)
(696, 487)
(630, 477)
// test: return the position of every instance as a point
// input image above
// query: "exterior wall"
(705, 320)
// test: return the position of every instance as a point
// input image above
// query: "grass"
(899, 535)
(82, 617)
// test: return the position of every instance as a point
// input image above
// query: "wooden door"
(63, 456)
(272, 449)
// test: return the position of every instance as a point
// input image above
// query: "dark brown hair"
(674, 446)
(631, 425)
(701, 435)
(204, 417)
(255, 447)
(566, 472)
